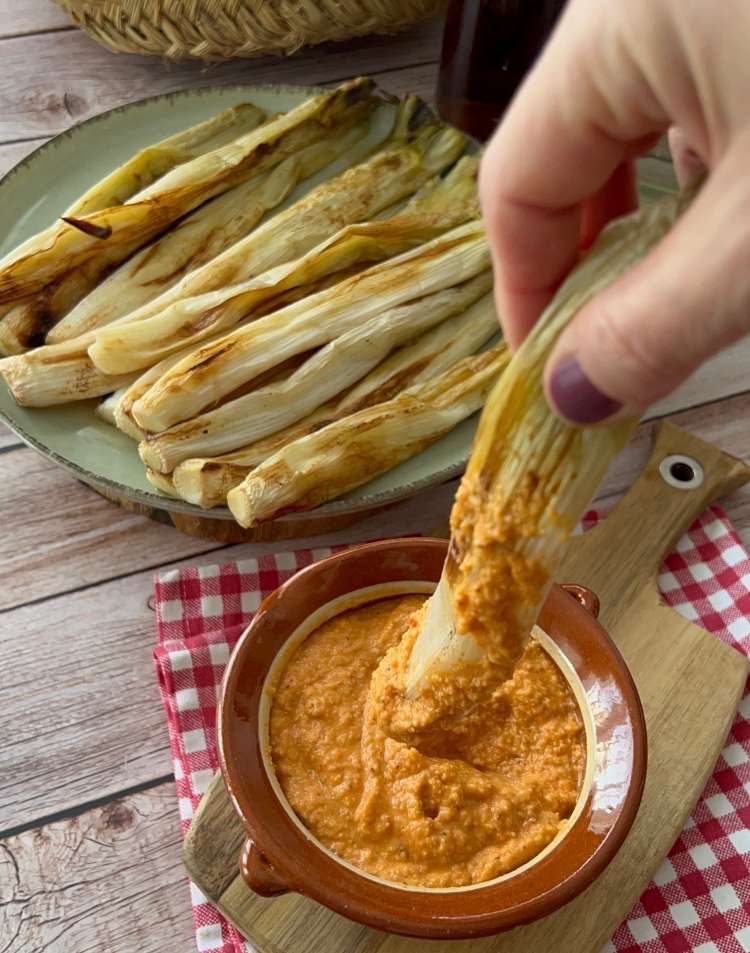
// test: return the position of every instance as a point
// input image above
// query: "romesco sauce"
(464, 807)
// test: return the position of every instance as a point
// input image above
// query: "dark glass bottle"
(488, 47)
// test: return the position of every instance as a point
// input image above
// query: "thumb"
(649, 330)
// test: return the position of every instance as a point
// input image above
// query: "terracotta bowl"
(281, 855)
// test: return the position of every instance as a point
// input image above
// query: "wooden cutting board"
(690, 684)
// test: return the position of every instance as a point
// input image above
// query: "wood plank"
(31, 16)
(421, 80)
(418, 79)
(81, 704)
(415, 79)
(12, 154)
(74, 78)
(56, 545)
(57, 530)
(69, 739)
(109, 879)
(8, 438)
(723, 375)
(70, 664)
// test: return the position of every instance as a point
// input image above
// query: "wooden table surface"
(89, 833)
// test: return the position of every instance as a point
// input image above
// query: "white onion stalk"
(205, 300)
(23, 323)
(528, 481)
(42, 261)
(212, 372)
(344, 455)
(342, 362)
(198, 238)
(205, 481)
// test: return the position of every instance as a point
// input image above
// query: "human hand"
(613, 78)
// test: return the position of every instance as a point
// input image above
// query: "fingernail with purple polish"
(575, 397)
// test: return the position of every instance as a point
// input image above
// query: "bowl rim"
(353, 896)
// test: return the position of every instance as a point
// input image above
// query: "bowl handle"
(588, 599)
(258, 873)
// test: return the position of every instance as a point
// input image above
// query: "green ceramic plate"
(44, 184)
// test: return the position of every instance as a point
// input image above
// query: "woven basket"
(215, 30)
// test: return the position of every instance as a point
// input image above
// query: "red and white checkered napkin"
(699, 899)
